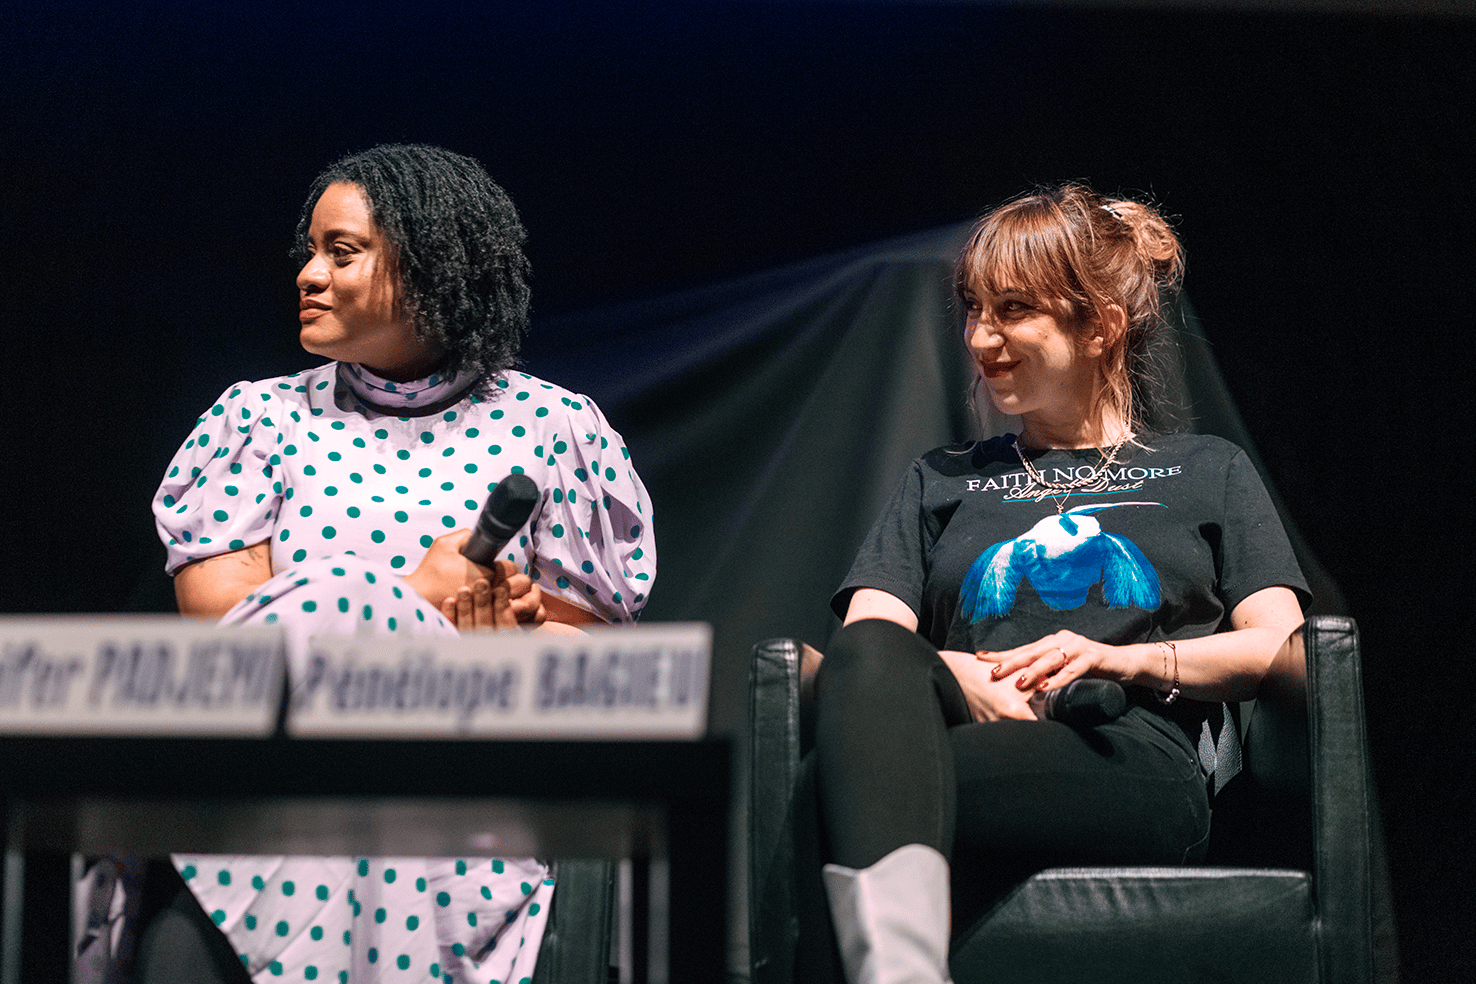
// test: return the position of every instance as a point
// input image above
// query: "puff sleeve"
(220, 492)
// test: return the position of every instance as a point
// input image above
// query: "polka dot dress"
(350, 481)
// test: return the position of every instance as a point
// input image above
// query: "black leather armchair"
(1286, 895)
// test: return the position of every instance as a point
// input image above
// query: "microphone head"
(508, 507)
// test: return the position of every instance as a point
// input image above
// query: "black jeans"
(899, 761)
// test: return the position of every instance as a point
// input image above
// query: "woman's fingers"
(1045, 663)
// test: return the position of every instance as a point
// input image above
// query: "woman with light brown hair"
(1092, 544)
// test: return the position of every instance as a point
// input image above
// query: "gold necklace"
(1093, 481)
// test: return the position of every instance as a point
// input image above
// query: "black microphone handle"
(508, 507)
(1083, 703)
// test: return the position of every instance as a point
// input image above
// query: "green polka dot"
(310, 972)
(420, 884)
(471, 918)
(282, 927)
(496, 415)
(533, 909)
(402, 517)
(299, 555)
(448, 521)
(497, 866)
(188, 872)
(424, 473)
(238, 544)
(330, 490)
(442, 899)
(397, 562)
(558, 530)
(373, 955)
(329, 532)
(316, 932)
(426, 540)
(519, 431)
(458, 950)
(288, 888)
(368, 613)
(250, 921)
(218, 917)
(275, 967)
(389, 876)
(494, 449)
(379, 915)
(412, 923)
(353, 512)
(403, 455)
(403, 962)
(337, 572)
(221, 515)
(257, 883)
(224, 877)
(348, 937)
(377, 536)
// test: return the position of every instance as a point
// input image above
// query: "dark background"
(153, 157)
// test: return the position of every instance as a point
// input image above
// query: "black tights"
(899, 761)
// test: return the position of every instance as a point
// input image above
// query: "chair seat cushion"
(1145, 925)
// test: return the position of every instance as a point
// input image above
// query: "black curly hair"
(462, 275)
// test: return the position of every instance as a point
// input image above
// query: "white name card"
(122, 675)
(628, 682)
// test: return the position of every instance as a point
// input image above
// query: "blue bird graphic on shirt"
(1062, 557)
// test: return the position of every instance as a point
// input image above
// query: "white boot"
(891, 919)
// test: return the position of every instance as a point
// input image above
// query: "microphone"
(507, 509)
(1082, 703)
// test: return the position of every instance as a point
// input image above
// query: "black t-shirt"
(1183, 532)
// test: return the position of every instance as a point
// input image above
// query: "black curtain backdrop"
(154, 156)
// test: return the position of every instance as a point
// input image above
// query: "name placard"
(629, 682)
(137, 675)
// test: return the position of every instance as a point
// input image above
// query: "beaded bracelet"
(1173, 693)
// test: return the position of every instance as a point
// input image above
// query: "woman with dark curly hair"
(1090, 544)
(336, 501)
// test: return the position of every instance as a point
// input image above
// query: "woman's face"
(1027, 352)
(346, 292)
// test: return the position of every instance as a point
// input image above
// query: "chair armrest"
(576, 941)
(781, 679)
(1342, 814)
(1308, 770)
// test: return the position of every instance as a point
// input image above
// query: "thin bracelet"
(1173, 693)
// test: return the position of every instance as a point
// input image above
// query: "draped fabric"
(772, 415)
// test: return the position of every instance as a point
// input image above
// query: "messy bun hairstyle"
(1070, 244)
